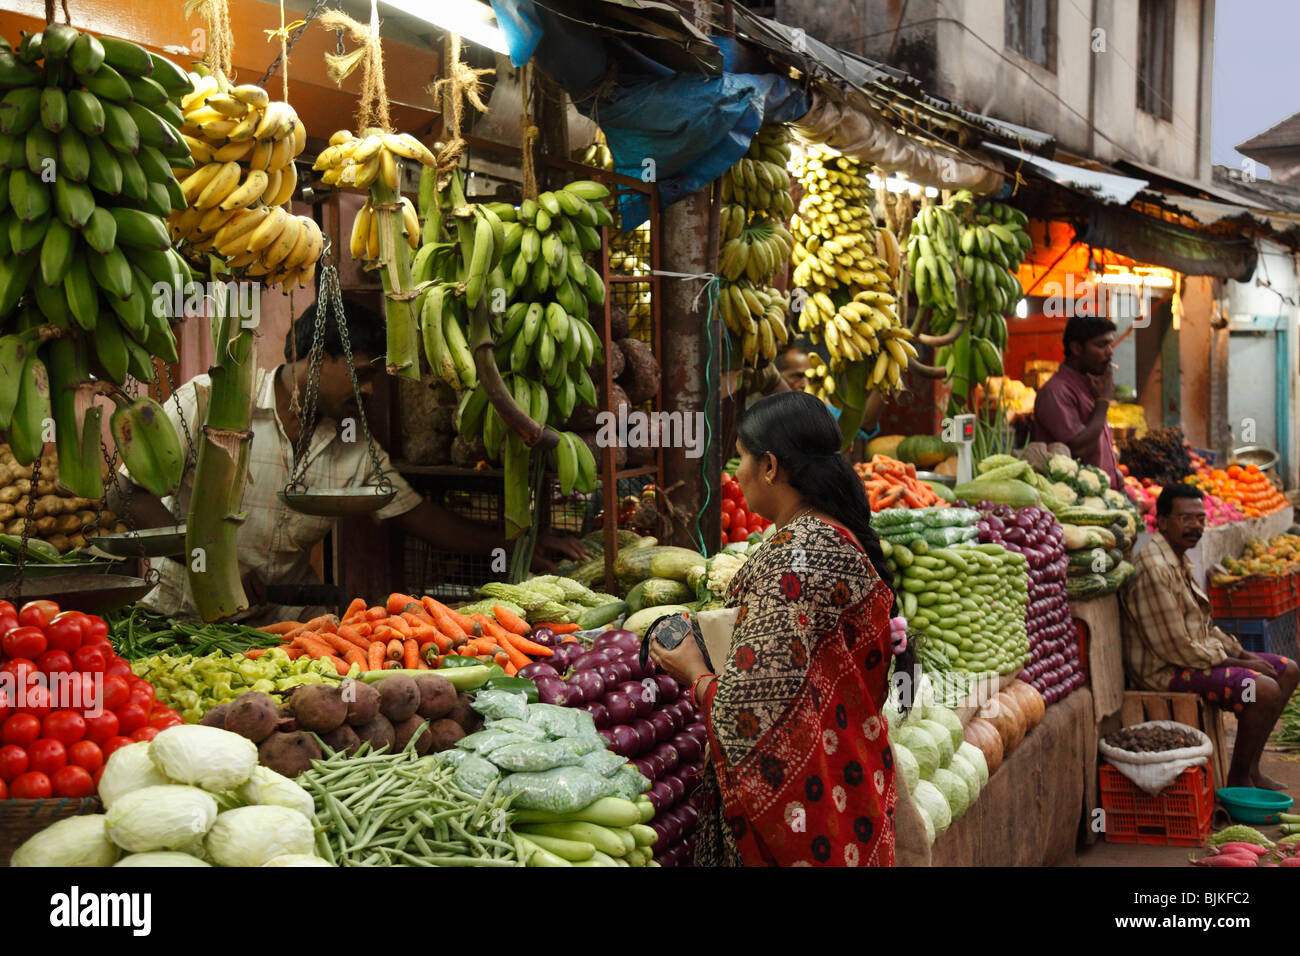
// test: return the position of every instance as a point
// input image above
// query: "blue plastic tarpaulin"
(681, 130)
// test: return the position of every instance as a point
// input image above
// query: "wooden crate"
(1191, 709)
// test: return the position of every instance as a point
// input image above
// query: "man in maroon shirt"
(1071, 407)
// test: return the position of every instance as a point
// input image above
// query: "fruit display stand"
(1227, 540)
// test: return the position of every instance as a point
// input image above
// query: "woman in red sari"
(801, 772)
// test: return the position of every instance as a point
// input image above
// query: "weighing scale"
(964, 437)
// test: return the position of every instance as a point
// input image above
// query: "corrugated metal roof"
(1107, 187)
(1279, 136)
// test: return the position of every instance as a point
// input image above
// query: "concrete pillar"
(691, 362)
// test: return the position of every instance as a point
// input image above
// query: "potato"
(107, 517)
(399, 697)
(444, 734)
(86, 516)
(378, 733)
(403, 732)
(252, 715)
(468, 718)
(67, 524)
(9, 494)
(362, 700)
(342, 738)
(289, 754)
(76, 541)
(7, 512)
(59, 541)
(216, 717)
(319, 707)
(437, 696)
(45, 525)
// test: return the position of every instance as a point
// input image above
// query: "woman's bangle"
(695, 697)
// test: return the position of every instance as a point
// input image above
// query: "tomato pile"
(67, 701)
(738, 522)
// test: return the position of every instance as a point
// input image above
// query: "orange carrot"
(339, 666)
(364, 628)
(558, 628)
(424, 633)
(293, 652)
(394, 649)
(353, 655)
(397, 603)
(517, 657)
(411, 654)
(358, 606)
(441, 641)
(509, 620)
(354, 636)
(568, 639)
(447, 620)
(377, 613)
(482, 645)
(510, 669)
(341, 645)
(501, 659)
(315, 648)
(382, 633)
(255, 653)
(418, 618)
(399, 625)
(280, 628)
(375, 656)
(490, 627)
(530, 647)
(326, 622)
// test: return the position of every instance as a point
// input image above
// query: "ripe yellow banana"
(221, 184)
(267, 231)
(249, 191)
(361, 231)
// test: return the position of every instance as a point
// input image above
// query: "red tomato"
(118, 668)
(21, 729)
(6, 706)
(13, 762)
(142, 692)
(7, 623)
(114, 744)
(89, 695)
(728, 506)
(21, 668)
(726, 521)
(103, 728)
(95, 777)
(31, 786)
(37, 613)
(67, 726)
(116, 692)
(165, 719)
(64, 633)
(131, 716)
(86, 753)
(47, 755)
(145, 733)
(737, 534)
(7, 607)
(92, 659)
(4, 791)
(73, 781)
(97, 630)
(54, 662)
(37, 700)
(26, 641)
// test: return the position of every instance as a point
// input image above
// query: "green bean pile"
(382, 809)
(137, 632)
(1288, 729)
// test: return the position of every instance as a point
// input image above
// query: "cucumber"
(462, 678)
(604, 839)
(607, 811)
(601, 615)
(572, 850)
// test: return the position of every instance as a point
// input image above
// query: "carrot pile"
(1247, 486)
(892, 484)
(413, 634)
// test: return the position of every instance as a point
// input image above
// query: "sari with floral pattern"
(801, 772)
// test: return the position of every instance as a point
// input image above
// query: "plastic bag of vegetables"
(563, 790)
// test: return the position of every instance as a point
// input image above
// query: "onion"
(678, 788)
(608, 734)
(688, 815)
(590, 659)
(663, 793)
(658, 767)
(642, 700)
(538, 669)
(550, 690)
(625, 742)
(598, 714)
(663, 724)
(645, 734)
(589, 683)
(699, 731)
(688, 748)
(544, 636)
(620, 708)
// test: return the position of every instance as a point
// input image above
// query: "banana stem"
(929, 371)
(212, 526)
(852, 386)
(952, 335)
(533, 434)
(399, 313)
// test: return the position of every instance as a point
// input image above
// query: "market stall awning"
(1104, 187)
(1146, 239)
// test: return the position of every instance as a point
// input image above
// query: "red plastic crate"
(1179, 816)
(1255, 597)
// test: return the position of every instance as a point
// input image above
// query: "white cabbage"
(206, 757)
(905, 764)
(251, 836)
(975, 757)
(266, 787)
(929, 824)
(929, 797)
(954, 791)
(922, 746)
(297, 859)
(940, 735)
(969, 775)
(168, 817)
(129, 768)
(72, 841)
(166, 858)
(942, 715)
